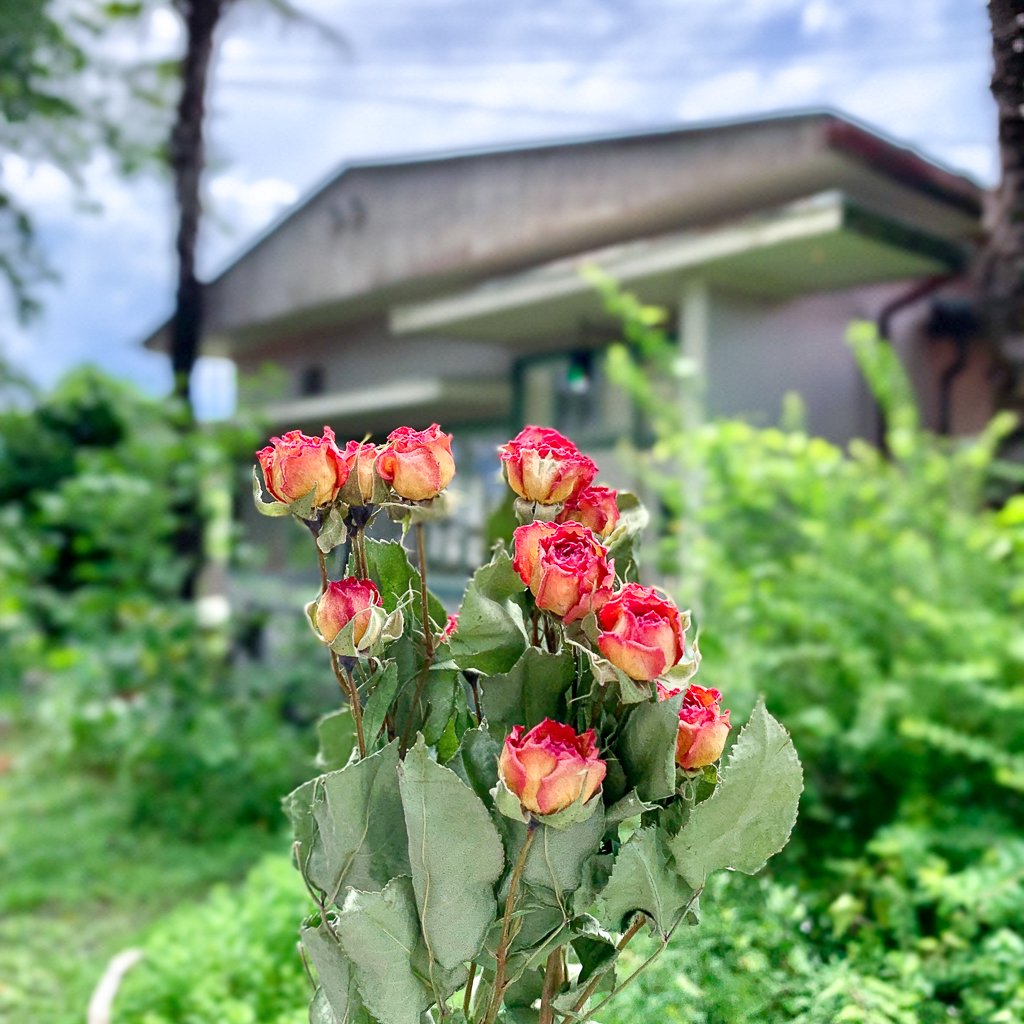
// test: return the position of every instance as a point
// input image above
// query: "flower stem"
(349, 688)
(553, 977)
(359, 550)
(501, 957)
(421, 552)
(323, 569)
(469, 990)
(428, 637)
(595, 981)
(662, 946)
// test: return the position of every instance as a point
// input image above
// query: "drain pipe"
(920, 290)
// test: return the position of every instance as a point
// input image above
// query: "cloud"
(287, 107)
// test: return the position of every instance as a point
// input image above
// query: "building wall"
(365, 354)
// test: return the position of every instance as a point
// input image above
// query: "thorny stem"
(595, 715)
(626, 939)
(323, 569)
(553, 977)
(662, 946)
(506, 925)
(469, 990)
(359, 550)
(349, 688)
(421, 553)
(428, 637)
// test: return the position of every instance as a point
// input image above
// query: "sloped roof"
(397, 230)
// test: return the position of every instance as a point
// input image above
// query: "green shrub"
(231, 959)
(101, 646)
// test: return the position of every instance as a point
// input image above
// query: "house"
(447, 287)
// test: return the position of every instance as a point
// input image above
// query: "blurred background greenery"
(873, 597)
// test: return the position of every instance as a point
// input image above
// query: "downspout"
(920, 290)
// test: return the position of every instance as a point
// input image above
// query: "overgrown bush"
(99, 640)
(874, 597)
(231, 959)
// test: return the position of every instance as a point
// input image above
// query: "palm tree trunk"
(1002, 264)
(186, 156)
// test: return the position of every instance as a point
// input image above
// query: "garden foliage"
(126, 679)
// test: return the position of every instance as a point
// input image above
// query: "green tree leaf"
(645, 880)
(647, 748)
(379, 934)
(491, 636)
(751, 814)
(529, 692)
(456, 857)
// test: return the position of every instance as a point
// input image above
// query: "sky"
(288, 106)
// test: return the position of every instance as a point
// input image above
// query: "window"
(312, 381)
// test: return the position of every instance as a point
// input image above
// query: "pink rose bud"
(641, 632)
(360, 459)
(450, 627)
(565, 568)
(543, 466)
(418, 464)
(594, 507)
(550, 768)
(293, 464)
(703, 726)
(343, 601)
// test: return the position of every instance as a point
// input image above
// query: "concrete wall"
(365, 354)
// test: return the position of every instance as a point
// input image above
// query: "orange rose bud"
(551, 767)
(360, 459)
(343, 601)
(703, 726)
(641, 632)
(544, 466)
(594, 507)
(418, 464)
(566, 569)
(293, 464)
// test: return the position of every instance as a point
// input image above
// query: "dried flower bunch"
(517, 790)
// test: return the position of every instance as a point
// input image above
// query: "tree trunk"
(186, 156)
(1002, 263)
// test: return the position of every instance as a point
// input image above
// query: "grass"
(78, 882)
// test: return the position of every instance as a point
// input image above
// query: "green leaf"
(333, 970)
(333, 531)
(529, 692)
(477, 762)
(622, 542)
(266, 508)
(594, 947)
(752, 812)
(337, 735)
(383, 686)
(389, 567)
(647, 748)
(360, 840)
(379, 934)
(320, 1011)
(491, 636)
(298, 807)
(456, 857)
(643, 880)
(557, 856)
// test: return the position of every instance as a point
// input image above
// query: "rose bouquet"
(513, 793)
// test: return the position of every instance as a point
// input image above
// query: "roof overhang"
(819, 244)
(414, 402)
